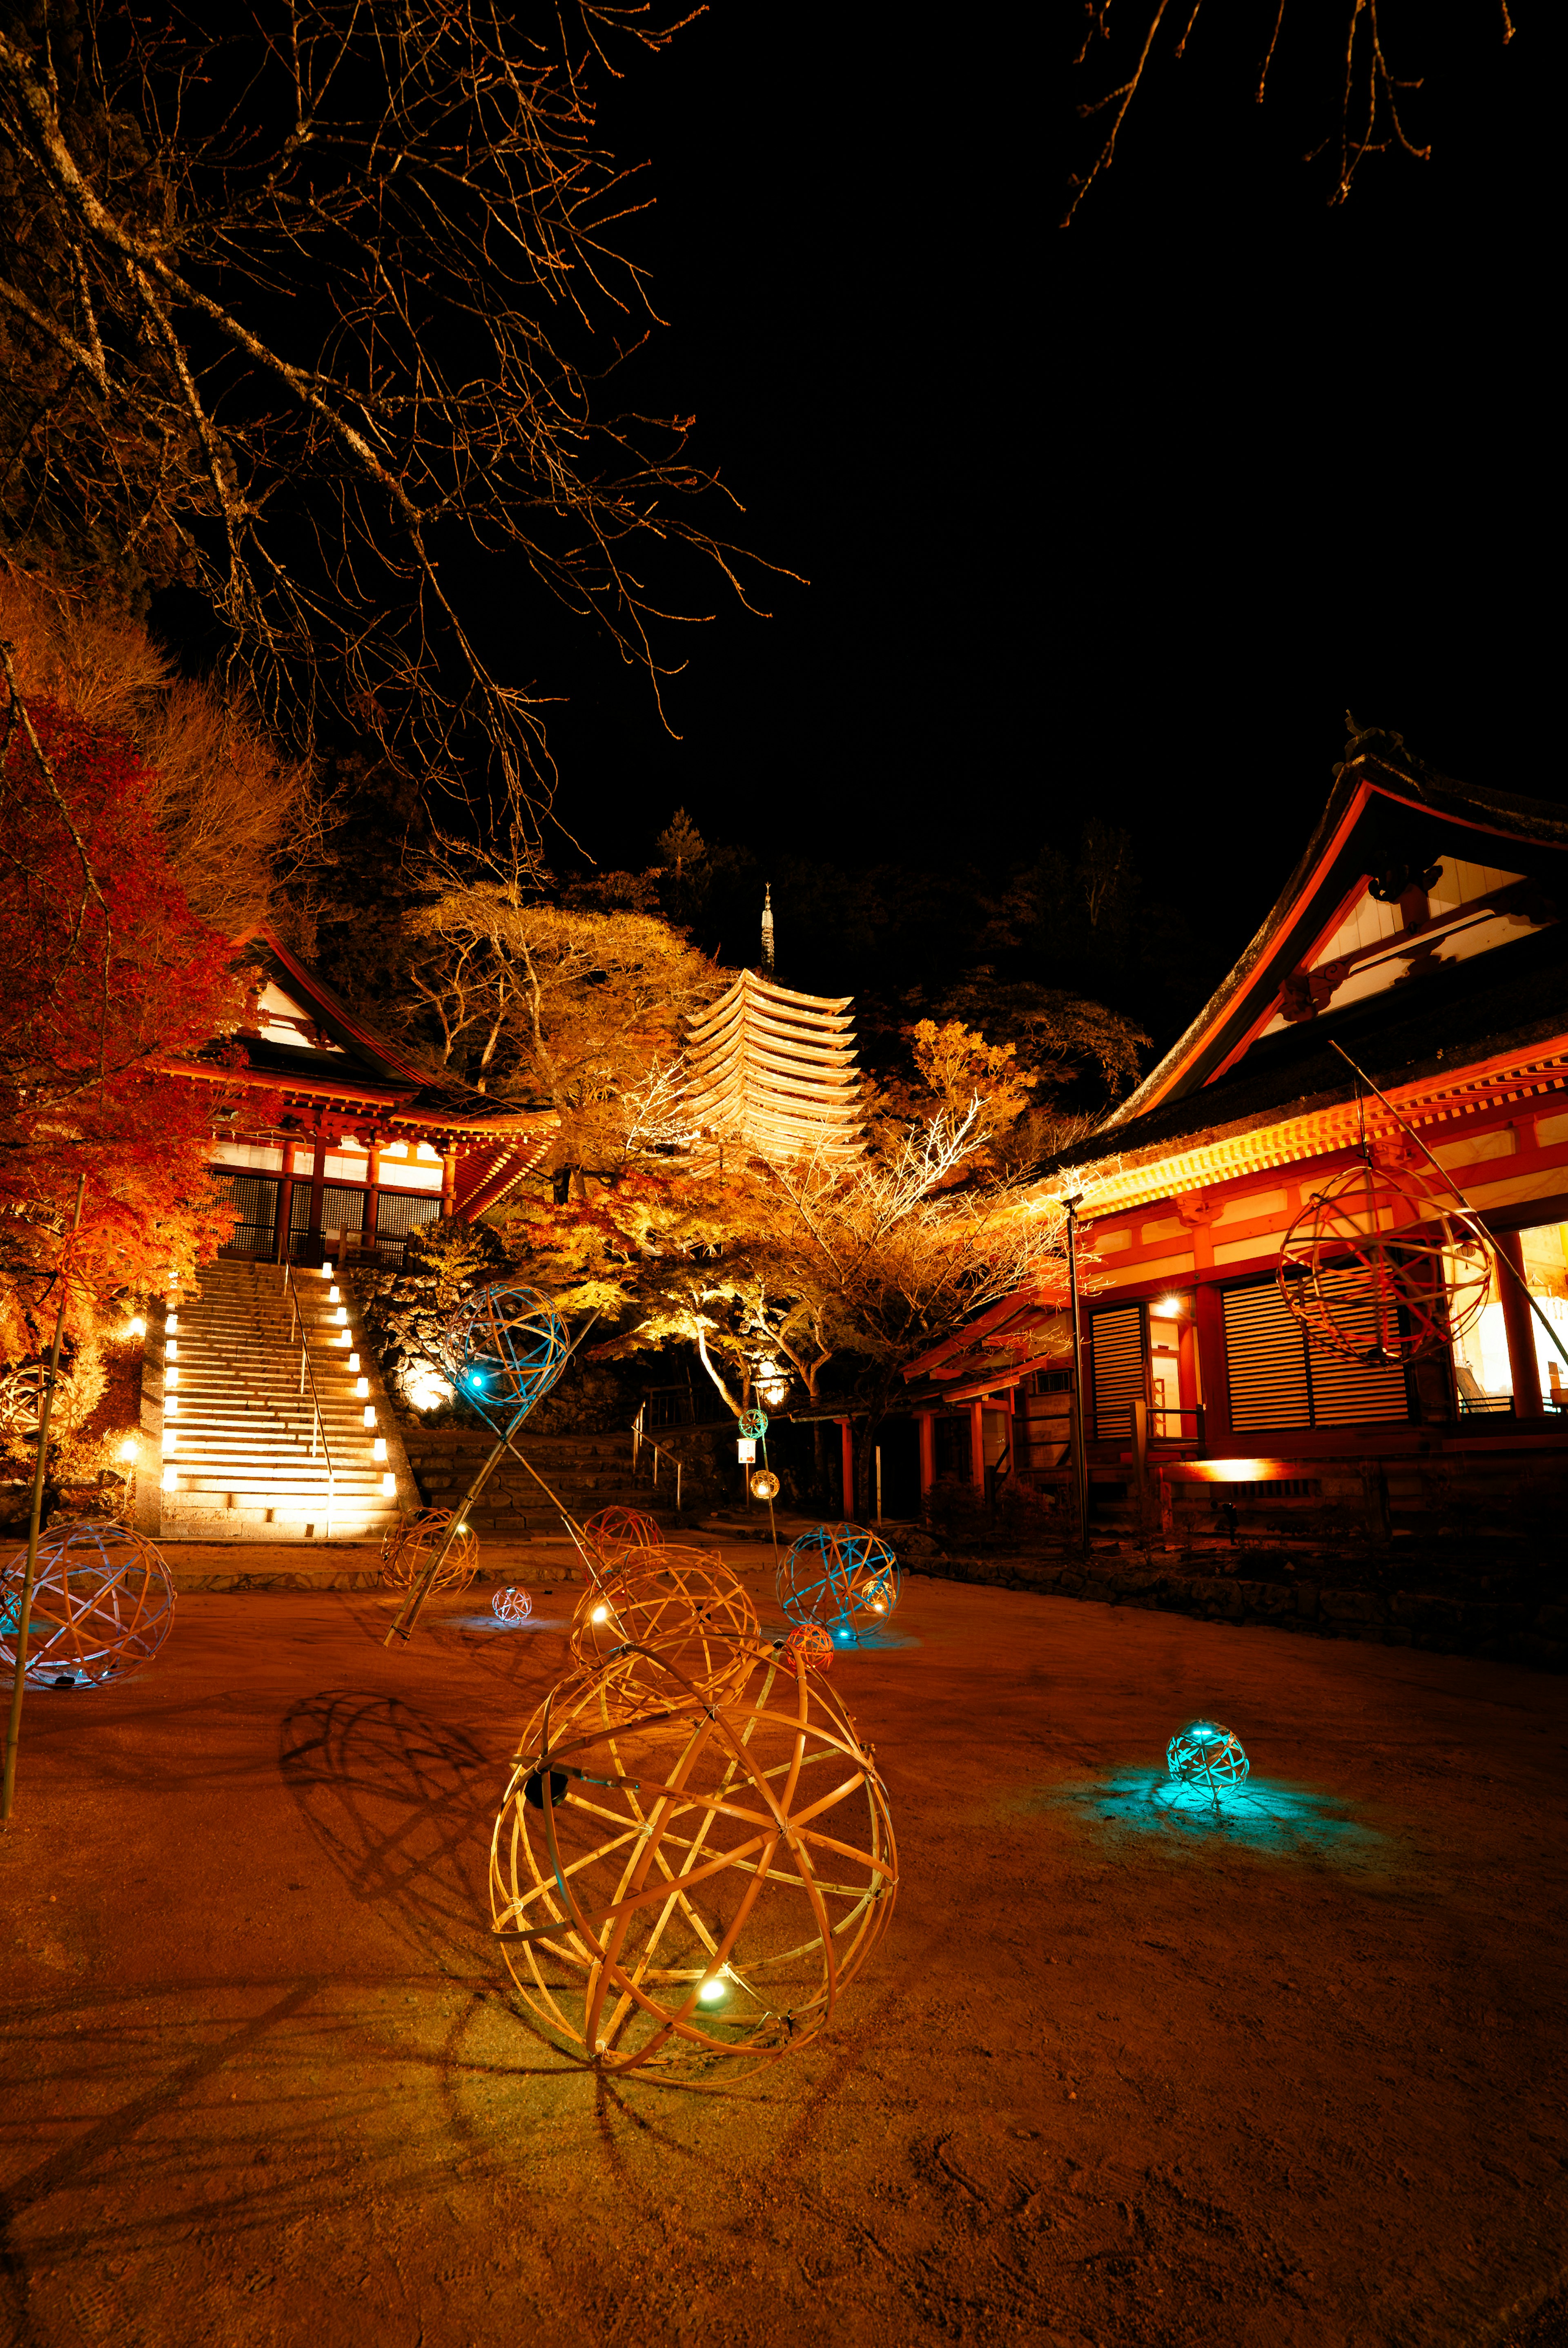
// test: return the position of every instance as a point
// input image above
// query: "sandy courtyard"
(1117, 2075)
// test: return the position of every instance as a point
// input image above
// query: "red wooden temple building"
(356, 1147)
(1421, 933)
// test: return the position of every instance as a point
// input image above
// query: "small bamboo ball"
(512, 1605)
(103, 1604)
(1204, 1753)
(406, 1550)
(690, 1887)
(809, 1644)
(685, 1603)
(616, 1533)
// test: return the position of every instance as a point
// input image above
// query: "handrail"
(638, 1439)
(318, 1428)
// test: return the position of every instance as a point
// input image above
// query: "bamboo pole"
(408, 1612)
(45, 1406)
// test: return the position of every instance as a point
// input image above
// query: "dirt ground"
(1119, 2073)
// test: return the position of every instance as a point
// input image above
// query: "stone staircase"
(588, 1472)
(242, 1463)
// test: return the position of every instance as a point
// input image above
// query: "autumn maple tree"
(109, 984)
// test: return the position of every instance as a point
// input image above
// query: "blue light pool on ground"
(1266, 1814)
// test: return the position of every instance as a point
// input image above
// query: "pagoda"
(774, 1070)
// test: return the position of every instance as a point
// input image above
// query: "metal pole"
(1081, 1446)
(25, 1612)
(879, 1483)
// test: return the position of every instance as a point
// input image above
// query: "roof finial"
(767, 930)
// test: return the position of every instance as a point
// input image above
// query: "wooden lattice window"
(1118, 1344)
(1279, 1379)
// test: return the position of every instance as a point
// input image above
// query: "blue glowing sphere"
(508, 1346)
(1203, 1754)
(838, 1575)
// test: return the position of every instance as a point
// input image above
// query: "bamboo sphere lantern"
(691, 1889)
(505, 1348)
(682, 1603)
(1203, 1754)
(405, 1552)
(1377, 1266)
(103, 1604)
(616, 1534)
(809, 1644)
(838, 1575)
(512, 1605)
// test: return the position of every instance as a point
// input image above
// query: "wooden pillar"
(285, 1207)
(978, 1446)
(926, 1423)
(450, 1181)
(372, 1195)
(318, 1184)
(1519, 1327)
(847, 1431)
(1209, 1319)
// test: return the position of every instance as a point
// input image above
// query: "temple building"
(773, 1071)
(356, 1147)
(1421, 936)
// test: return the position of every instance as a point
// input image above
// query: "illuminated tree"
(1371, 90)
(579, 1010)
(107, 981)
(301, 302)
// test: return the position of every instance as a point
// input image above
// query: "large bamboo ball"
(103, 1604)
(689, 1888)
(838, 1576)
(505, 1346)
(406, 1548)
(684, 1603)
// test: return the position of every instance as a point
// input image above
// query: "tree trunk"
(560, 1186)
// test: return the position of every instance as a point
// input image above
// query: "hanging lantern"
(1380, 1268)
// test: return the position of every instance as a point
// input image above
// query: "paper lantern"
(1206, 1755)
(691, 1889)
(1378, 1266)
(512, 1605)
(103, 1604)
(405, 1552)
(684, 1603)
(505, 1348)
(838, 1575)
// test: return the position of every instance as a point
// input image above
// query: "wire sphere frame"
(1205, 1753)
(407, 1545)
(682, 1604)
(513, 1606)
(505, 1347)
(1374, 1240)
(617, 1535)
(103, 1604)
(839, 1574)
(619, 1902)
(810, 1644)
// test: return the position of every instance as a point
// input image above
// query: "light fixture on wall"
(1169, 1308)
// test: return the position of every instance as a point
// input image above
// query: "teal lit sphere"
(1205, 1753)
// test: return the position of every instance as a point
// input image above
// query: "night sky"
(1117, 520)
